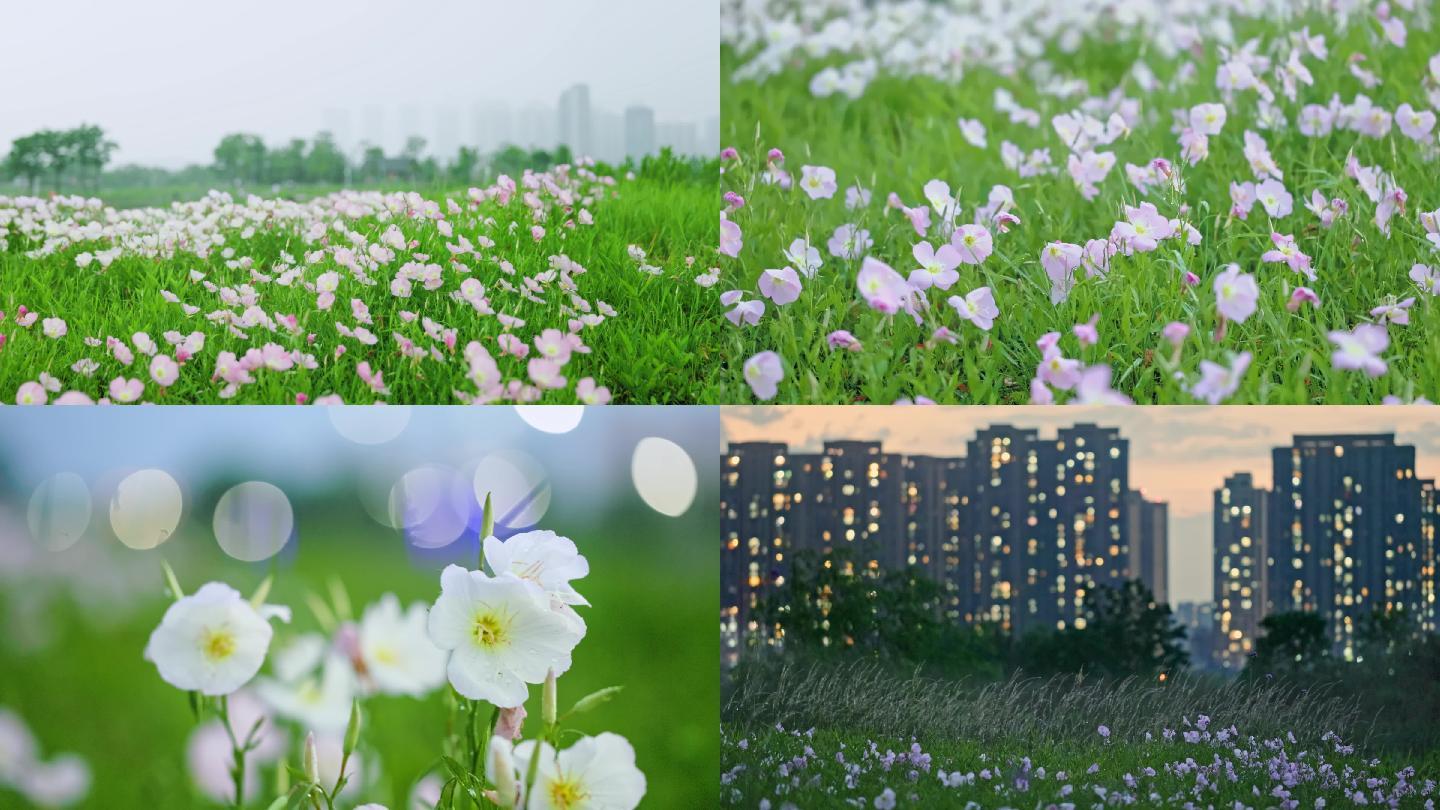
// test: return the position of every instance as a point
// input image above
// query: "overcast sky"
(1178, 454)
(168, 78)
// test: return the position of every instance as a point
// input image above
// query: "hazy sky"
(1177, 454)
(168, 78)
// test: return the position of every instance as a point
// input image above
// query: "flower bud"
(510, 722)
(311, 759)
(548, 700)
(352, 731)
(502, 773)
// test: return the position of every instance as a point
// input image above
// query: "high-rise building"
(1000, 544)
(1345, 528)
(639, 132)
(1429, 549)
(1198, 619)
(1149, 529)
(754, 501)
(574, 124)
(1239, 516)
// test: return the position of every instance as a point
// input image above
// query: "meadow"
(1069, 202)
(568, 285)
(71, 661)
(860, 735)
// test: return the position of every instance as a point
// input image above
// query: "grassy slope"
(90, 691)
(972, 725)
(902, 133)
(652, 352)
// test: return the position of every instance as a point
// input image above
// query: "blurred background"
(377, 498)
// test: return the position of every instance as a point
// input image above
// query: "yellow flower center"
(488, 630)
(218, 645)
(566, 793)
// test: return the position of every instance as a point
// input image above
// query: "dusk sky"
(168, 78)
(1178, 454)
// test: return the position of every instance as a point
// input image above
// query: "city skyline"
(1180, 455)
(169, 92)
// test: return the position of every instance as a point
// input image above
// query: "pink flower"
(53, 328)
(1142, 230)
(882, 288)
(1360, 349)
(545, 373)
(1394, 312)
(973, 242)
(937, 267)
(123, 390)
(978, 307)
(804, 258)
(1236, 294)
(163, 370)
(1060, 260)
(1086, 332)
(374, 379)
(1176, 332)
(730, 237)
(841, 339)
(1094, 388)
(31, 393)
(1039, 394)
(1286, 252)
(1207, 119)
(537, 233)
(1414, 124)
(818, 181)
(1242, 199)
(1258, 155)
(848, 243)
(1218, 382)
(554, 345)
(781, 286)
(1277, 201)
(746, 312)
(589, 393)
(1056, 369)
(763, 372)
(1302, 296)
(1427, 278)
(276, 358)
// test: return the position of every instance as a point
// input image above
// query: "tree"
(325, 163)
(1290, 642)
(1125, 632)
(240, 157)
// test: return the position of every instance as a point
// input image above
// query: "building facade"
(1239, 515)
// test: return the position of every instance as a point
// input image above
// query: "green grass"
(655, 350)
(88, 690)
(782, 727)
(902, 133)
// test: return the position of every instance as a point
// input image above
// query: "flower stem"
(237, 769)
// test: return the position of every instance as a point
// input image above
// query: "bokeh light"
(518, 487)
(59, 511)
(432, 504)
(145, 509)
(551, 418)
(664, 475)
(253, 521)
(369, 424)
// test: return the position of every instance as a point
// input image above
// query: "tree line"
(76, 159)
(69, 156)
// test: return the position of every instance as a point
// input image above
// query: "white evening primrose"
(500, 634)
(319, 700)
(18, 750)
(396, 653)
(542, 557)
(212, 641)
(596, 773)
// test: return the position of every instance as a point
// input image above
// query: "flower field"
(1062, 744)
(1080, 202)
(562, 286)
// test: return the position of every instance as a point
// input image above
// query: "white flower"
(212, 641)
(18, 751)
(63, 781)
(501, 634)
(319, 701)
(395, 650)
(596, 773)
(543, 557)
